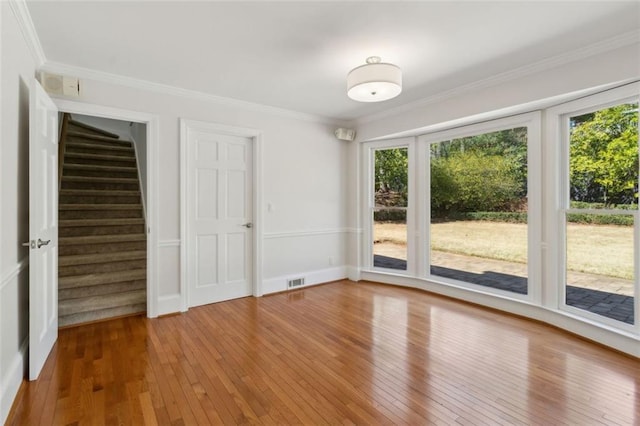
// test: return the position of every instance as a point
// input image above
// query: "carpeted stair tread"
(103, 314)
(75, 134)
(99, 192)
(101, 239)
(101, 289)
(95, 167)
(100, 182)
(98, 179)
(92, 129)
(97, 138)
(104, 147)
(101, 157)
(108, 242)
(94, 303)
(98, 144)
(99, 222)
(85, 259)
(109, 229)
(95, 268)
(99, 196)
(106, 247)
(99, 206)
(86, 280)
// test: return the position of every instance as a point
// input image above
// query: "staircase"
(102, 255)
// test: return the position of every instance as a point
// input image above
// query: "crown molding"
(121, 80)
(21, 12)
(603, 46)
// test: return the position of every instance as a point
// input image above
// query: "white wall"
(17, 71)
(119, 127)
(304, 176)
(139, 137)
(611, 66)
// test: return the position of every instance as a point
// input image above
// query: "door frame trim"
(257, 237)
(152, 123)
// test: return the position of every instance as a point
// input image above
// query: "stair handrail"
(62, 147)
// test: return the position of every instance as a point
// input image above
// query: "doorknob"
(33, 243)
(247, 225)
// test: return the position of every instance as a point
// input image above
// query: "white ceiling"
(296, 55)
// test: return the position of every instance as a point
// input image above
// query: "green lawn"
(597, 249)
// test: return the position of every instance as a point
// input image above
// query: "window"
(390, 199)
(600, 211)
(479, 210)
(479, 207)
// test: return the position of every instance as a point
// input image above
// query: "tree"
(391, 176)
(603, 149)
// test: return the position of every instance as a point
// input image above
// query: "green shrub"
(510, 217)
(600, 219)
(515, 217)
(390, 216)
(596, 206)
(472, 181)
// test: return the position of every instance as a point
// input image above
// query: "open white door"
(43, 228)
(219, 212)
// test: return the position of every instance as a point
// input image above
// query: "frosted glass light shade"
(374, 82)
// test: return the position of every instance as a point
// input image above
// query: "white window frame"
(557, 157)
(368, 177)
(532, 121)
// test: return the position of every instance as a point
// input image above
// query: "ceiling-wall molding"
(121, 80)
(622, 40)
(21, 12)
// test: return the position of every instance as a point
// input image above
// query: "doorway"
(143, 129)
(102, 248)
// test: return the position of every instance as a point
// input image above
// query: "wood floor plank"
(341, 353)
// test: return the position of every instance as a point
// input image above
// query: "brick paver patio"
(511, 276)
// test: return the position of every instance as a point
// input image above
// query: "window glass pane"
(603, 158)
(391, 169)
(600, 264)
(479, 209)
(391, 177)
(390, 239)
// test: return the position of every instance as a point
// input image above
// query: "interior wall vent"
(297, 282)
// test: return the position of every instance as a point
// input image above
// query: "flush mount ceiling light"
(374, 82)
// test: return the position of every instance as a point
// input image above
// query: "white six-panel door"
(43, 228)
(219, 214)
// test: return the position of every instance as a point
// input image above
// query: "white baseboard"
(277, 284)
(12, 380)
(169, 304)
(353, 273)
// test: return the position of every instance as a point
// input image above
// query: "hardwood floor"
(338, 353)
